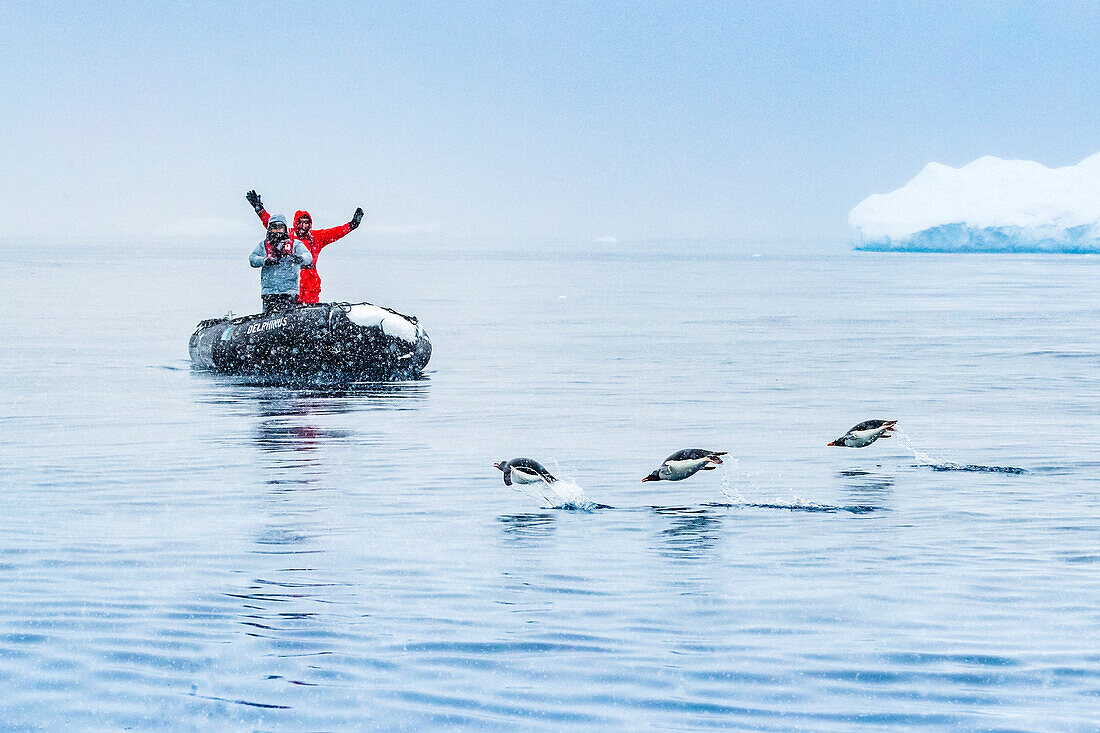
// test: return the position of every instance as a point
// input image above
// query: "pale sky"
(521, 120)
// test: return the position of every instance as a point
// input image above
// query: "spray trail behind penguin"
(925, 460)
(735, 477)
(564, 493)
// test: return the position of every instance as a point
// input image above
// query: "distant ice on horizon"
(989, 205)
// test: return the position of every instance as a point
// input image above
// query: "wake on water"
(925, 460)
(734, 478)
(735, 499)
(567, 494)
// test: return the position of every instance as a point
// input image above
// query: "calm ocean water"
(185, 552)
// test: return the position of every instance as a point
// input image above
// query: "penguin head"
(655, 476)
(503, 466)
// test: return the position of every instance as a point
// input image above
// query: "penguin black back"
(530, 471)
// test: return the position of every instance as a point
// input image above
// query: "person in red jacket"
(309, 288)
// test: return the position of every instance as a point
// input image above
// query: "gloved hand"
(356, 218)
(254, 199)
(271, 260)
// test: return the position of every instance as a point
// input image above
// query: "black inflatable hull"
(318, 342)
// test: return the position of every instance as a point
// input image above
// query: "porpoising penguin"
(865, 433)
(684, 463)
(524, 471)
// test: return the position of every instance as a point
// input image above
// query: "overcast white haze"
(521, 121)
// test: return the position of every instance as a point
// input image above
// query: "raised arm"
(254, 199)
(328, 236)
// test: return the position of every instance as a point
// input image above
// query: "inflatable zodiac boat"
(320, 341)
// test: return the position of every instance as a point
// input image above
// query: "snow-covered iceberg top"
(988, 205)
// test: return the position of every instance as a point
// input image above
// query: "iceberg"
(989, 205)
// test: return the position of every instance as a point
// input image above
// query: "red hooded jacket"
(309, 287)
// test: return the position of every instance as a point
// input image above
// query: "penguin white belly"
(680, 470)
(863, 438)
(521, 476)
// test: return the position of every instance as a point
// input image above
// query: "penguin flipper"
(507, 478)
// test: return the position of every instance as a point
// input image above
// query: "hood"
(299, 214)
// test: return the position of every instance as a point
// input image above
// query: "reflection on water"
(294, 585)
(527, 528)
(692, 533)
(242, 397)
(285, 425)
(866, 484)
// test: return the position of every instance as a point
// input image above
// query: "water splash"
(742, 490)
(564, 494)
(941, 464)
(732, 472)
(572, 496)
(921, 457)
